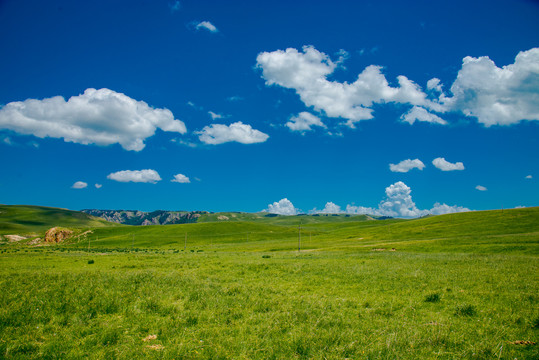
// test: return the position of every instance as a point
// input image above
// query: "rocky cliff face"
(134, 217)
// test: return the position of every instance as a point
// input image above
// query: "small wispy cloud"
(79, 185)
(215, 116)
(481, 188)
(175, 6)
(529, 177)
(206, 25)
(235, 98)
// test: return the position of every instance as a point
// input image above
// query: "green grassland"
(30, 220)
(459, 286)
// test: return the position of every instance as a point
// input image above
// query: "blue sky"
(384, 107)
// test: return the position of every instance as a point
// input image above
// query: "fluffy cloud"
(304, 122)
(481, 188)
(495, 96)
(101, 117)
(330, 208)
(407, 165)
(397, 203)
(180, 178)
(282, 207)
(307, 72)
(420, 114)
(444, 165)
(238, 131)
(206, 25)
(139, 176)
(440, 209)
(79, 185)
(498, 96)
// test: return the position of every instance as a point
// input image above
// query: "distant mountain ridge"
(135, 217)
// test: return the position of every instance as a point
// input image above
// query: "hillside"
(515, 230)
(24, 219)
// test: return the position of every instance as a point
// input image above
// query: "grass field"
(460, 286)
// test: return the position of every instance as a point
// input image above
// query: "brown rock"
(57, 234)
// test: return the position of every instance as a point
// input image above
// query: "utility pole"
(185, 242)
(133, 242)
(89, 244)
(299, 237)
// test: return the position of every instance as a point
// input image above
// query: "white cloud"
(304, 122)
(98, 186)
(397, 203)
(235, 98)
(529, 177)
(238, 131)
(180, 178)
(434, 84)
(282, 207)
(407, 165)
(498, 96)
(481, 188)
(444, 165)
(206, 25)
(441, 209)
(495, 96)
(307, 72)
(420, 114)
(215, 115)
(330, 208)
(79, 185)
(139, 176)
(101, 117)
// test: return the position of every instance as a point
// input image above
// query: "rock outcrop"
(159, 217)
(57, 234)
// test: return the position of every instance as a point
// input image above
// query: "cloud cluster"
(138, 176)
(495, 96)
(282, 207)
(238, 131)
(445, 165)
(307, 73)
(304, 121)
(440, 163)
(101, 117)
(397, 203)
(407, 165)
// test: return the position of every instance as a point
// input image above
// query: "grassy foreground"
(455, 288)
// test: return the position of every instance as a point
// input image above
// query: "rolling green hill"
(458, 286)
(24, 219)
(515, 230)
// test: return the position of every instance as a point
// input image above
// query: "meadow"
(460, 286)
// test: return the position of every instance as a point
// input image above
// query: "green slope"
(23, 219)
(515, 230)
